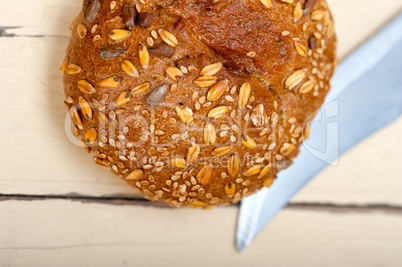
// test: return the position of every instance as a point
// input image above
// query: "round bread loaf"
(197, 102)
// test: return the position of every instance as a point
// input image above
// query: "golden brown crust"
(193, 102)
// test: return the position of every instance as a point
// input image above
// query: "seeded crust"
(196, 103)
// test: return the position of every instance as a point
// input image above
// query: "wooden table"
(57, 208)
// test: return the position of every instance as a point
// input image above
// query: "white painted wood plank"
(37, 158)
(64, 233)
(356, 20)
(369, 172)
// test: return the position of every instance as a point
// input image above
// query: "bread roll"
(197, 102)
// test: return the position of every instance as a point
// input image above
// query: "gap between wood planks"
(4, 32)
(115, 200)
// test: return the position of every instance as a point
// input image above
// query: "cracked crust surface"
(275, 64)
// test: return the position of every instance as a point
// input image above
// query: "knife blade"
(366, 96)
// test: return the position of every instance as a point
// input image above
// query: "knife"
(366, 95)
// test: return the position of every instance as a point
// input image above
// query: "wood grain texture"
(104, 235)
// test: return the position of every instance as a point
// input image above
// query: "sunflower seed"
(186, 114)
(220, 151)
(168, 37)
(192, 154)
(209, 134)
(162, 50)
(301, 49)
(135, 175)
(218, 112)
(109, 51)
(178, 162)
(73, 69)
(211, 69)
(75, 116)
(307, 87)
(123, 98)
(82, 31)
(129, 68)
(86, 87)
(157, 95)
(145, 19)
(309, 6)
(90, 135)
(295, 78)
(85, 108)
(128, 14)
(204, 174)
(253, 170)
(244, 94)
(230, 189)
(174, 72)
(110, 82)
(248, 141)
(217, 90)
(91, 10)
(205, 81)
(118, 34)
(233, 164)
(144, 56)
